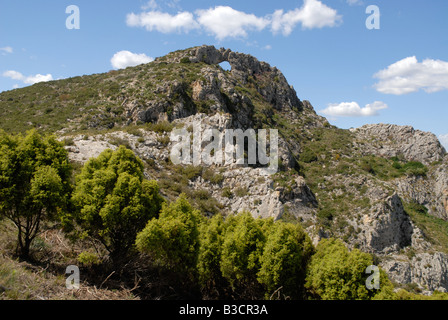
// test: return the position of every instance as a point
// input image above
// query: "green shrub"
(173, 238)
(415, 168)
(113, 202)
(227, 193)
(117, 141)
(160, 127)
(88, 259)
(185, 60)
(335, 273)
(209, 260)
(241, 192)
(284, 261)
(308, 156)
(209, 175)
(241, 251)
(35, 176)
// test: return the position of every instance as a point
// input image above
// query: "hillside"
(381, 188)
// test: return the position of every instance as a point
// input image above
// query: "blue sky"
(351, 74)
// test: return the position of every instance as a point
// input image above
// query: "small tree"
(335, 273)
(286, 254)
(241, 251)
(113, 201)
(34, 183)
(173, 238)
(209, 260)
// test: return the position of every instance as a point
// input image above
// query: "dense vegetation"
(124, 225)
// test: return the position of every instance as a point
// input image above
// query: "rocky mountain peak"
(388, 140)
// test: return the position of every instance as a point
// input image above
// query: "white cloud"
(163, 22)
(6, 50)
(313, 14)
(124, 59)
(38, 78)
(352, 109)
(226, 22)
(151, 4)
(354, 2)
(15, 75)
(409, 75)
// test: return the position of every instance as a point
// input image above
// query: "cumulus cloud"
(124, 59)
(15, 75)
(352, 109)
(163, 22)
(409, 75)
(225, 22)
(313, 14)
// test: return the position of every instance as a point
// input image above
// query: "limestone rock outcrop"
(387, 140)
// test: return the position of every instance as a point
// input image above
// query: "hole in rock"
(225, 65)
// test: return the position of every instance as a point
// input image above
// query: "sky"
(357, 61)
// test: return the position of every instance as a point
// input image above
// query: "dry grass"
(45, 279)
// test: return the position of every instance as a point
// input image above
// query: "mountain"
(381, 188)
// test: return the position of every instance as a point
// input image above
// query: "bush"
(173, 238)
(415, 168)
(113, 202)
(160, 127)
(227, 193)
(286, 254)
(185, 60)
(241, 251)
(209, 175)
(241, 192)
(337, 274)
(209, 260)
(35, 185)
(88, 259)
(308, 156)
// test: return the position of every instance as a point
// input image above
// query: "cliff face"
(381, 188)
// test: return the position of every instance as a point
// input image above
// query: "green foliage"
(160, 127)
(34, 183)
(185, 60)
(241, 250)
(209, 260)
(286, 254)
(434, 229)
(402, 294)
(117, 141)
(227, 192)
(113, 202)
(88, 259)
(209, 175)
(337, 274)
(308, 155)
(415, 168)
(241, 192)
(173, 238)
